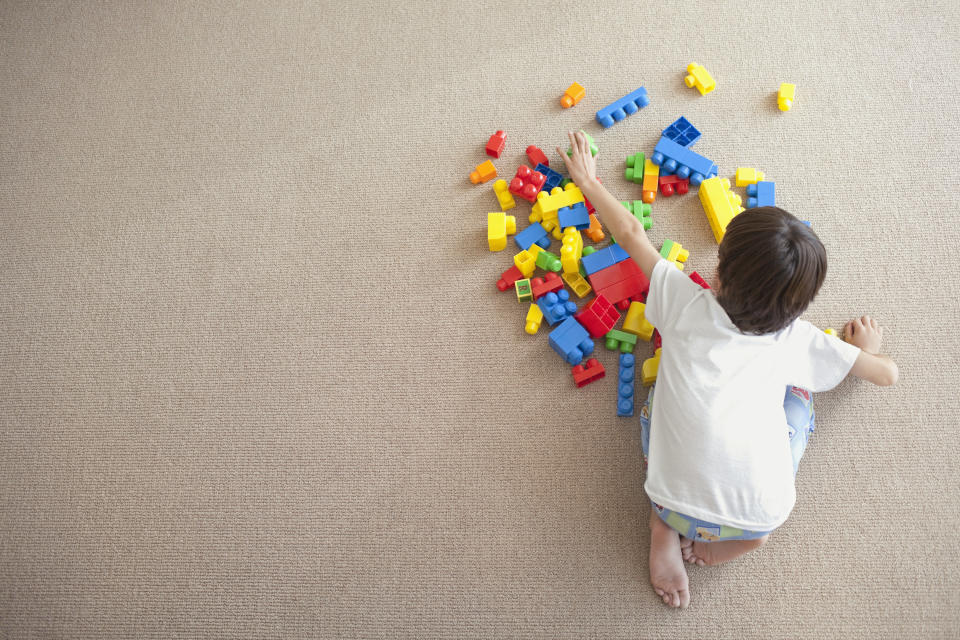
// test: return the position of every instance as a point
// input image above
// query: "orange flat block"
(485, 171)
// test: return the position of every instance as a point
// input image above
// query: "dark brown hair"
(771, 267)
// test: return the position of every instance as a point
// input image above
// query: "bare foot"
(713, 553)
(686, 548)
(667, 575)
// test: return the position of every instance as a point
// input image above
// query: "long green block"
(634, 172)
(616, 339)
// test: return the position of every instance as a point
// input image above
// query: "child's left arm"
(870, 365)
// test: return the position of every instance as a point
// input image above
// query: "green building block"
(616, 339)
(565, 182)
(634, 172)
(586, 251)
(594, 150)
(524, 292)
(642, 212)
(548, 261)
(666, 249)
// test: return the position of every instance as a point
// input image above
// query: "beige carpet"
(256, 379)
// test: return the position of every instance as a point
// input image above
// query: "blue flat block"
(574, 216)
(553, 178)
(603, 258)
(674, 158)
(761, 194)
(617, 111)
(682, 132)
(534, 234)
(571, 341)
(625, 384)
(556, 306)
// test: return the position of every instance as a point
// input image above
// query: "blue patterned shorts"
(797, 404)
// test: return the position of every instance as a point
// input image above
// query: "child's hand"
(581, 165)
(864, 333)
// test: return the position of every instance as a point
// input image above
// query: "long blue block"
(603, 258)
(571, 341)
(617, 111)
(682, 132)
(534, 234)
(674, 158)
(625, 385)
(574, 216)
(761, 194)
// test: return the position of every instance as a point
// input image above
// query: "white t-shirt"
(719, 448)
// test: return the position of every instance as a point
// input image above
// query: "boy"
(722, 444)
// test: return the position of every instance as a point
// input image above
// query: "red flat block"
(527, 183)
(620, 291)
(623, 270)
(508, 278)
(673, 184)
(536, 156)
(583, 376)
(496, 143)
(700, 281)
(542, 286)
(598, 316)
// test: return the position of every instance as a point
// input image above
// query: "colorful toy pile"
(560, 211)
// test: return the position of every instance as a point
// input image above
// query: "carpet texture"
(257, 381)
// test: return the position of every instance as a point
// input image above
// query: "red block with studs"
(509, 278)
(542, 286)
(496, 143)
(536, 156)
(657, 340)
(584, 375)
(673, 184)
(527, 183)
(598, 316)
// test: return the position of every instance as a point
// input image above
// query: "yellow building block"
(831, 332)
(558, 198)
(504, 197)
(785, 96)
(578, 283)
(745, 176)
(700, 78)
(499, 225)
(648, 373)
(719, 203)
(526, 261)
(484, 171)
(636, 321)
(534, 318)
(651, 173)
(675, 253)
(572, 250)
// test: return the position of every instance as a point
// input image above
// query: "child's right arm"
(870, 365)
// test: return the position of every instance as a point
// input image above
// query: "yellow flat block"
(719, 203)
(700, 78)
(499, 225)
(578, 283)
(636, 321)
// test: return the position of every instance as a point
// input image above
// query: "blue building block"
(807, 222)
(761, 194)
(625, 385)
(617, 111)
(603, 258)
(556, 306)
(574, 216)
(673, 158)
(534, 234)
(571, 341)
(553, 178)
(682, 132)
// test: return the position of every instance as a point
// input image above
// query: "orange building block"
(572, 95)
(485, 171)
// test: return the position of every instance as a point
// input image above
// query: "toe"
(684, 599)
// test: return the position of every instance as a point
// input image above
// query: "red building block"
(527, 183)
(536, 156)
(589, 205)
(673, 184)
(496, 143)
(509, 278)
(543, 286)
(620, 282)
(583, 376)
(598, 316)
(700, 281)
(657, 340)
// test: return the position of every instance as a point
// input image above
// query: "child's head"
(771, 267)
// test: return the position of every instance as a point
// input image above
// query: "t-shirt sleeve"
(817, 361)
(670, 292)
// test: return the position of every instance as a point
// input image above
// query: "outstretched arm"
(629, 232)
(870, 365)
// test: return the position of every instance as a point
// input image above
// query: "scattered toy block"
(673, 184)
(572, 95)
(620, 282)
(535, 234)
(603, 258)
(831, 332)
(720, 204)
(553, 177)
(584, 375)
(598, 316)
(657, 340)
(594, 150)
(682, 132)
(761, 194)
(548, 204)
(634, 172)
(620, 109)
(674, 253)
(696, 277)
(550, 283)
(546, 260)
(572, 250)
(650, 174)
(536, 156)
(524, 292)
(625, 385)
(586, 252)
(616, 339)
(571, 341)
(578, 283)
(641, 211)
(785, 96)
(700, 78)
(504, 197)
(746, 176)
(485, 171)
(648, 374)
(674, 158)
(526, 261)
(527, 183)
(595, 230)
(509, 277)
(574, 216)
(636, 321)
(556, 306)
(499, 226)
(534, 318)
(496, 143)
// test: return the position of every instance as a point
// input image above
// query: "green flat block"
(548, 261)
(594, 150)
(666, 248)
(524, 292)
(616, 339)
(634, 172)
(641, 211)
